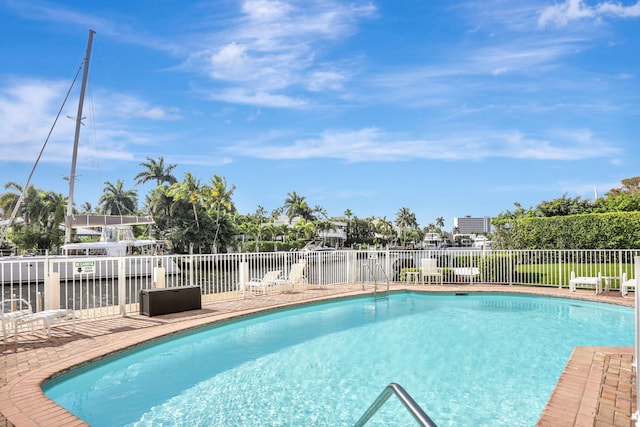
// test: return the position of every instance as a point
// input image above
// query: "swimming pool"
(476, 359)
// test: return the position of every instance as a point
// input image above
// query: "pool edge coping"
(23, 402)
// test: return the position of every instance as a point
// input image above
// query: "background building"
(469, 225)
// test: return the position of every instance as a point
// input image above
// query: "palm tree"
(86, 207)
(296, 206)
(260, 216)
(54, 210)
(321, 212)
(218, 198)
(385, 228)
(156, 170)
(292, 204)
(348, 214)
(405, 219)
(159, 204)
(456, 230)
(115, 200)
(190, 191)
(275, 214)
(30, 210)
(9, 199)
(282, 230)
(270, 229)
(323, 226)
(305, 229)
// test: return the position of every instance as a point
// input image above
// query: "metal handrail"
(416, 411)
(375, 277)
(385, 274)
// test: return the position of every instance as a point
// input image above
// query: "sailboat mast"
(72, 174)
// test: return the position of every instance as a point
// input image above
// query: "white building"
(334, 237)
(469, 225)
(432, 241)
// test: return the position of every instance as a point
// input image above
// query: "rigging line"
(33, 169)
(97, 159)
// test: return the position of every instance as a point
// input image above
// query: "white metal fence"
(97, 287)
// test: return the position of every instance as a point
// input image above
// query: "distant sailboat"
(112, 225)
(117, 238)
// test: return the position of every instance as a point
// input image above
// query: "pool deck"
(596, 388)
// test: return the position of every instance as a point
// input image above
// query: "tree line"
(197, 216)
(202, 217)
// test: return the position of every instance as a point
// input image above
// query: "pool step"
(381, 296)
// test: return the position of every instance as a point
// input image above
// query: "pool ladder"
(414, 409)
(373, 273)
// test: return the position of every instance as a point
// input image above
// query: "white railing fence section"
(636, 415)
(100, 286)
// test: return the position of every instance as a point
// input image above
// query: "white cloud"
(43, 11)
(573, 144)
(267, 99)
(372, 144)
(158, 113)
(326, 80)
(117, 26)
(520, 55)
(29, 107)
(129, 106)
(229, 62)
(277, 45)
(503, 70)
(616, 9)
(266, 10)
(574, 10)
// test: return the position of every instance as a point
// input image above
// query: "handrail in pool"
(418, 413)
(375, 276)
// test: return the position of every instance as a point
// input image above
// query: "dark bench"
(158, 301)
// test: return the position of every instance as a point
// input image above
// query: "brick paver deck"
(597, 387)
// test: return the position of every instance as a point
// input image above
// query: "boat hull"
(35, 269)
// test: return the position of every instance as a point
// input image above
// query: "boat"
(316, 246)
(34, 269)
(95, 258)
(116, 241)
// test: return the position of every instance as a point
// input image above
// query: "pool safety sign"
(84, 267)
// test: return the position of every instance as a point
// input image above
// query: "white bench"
(466, 274)
(17, 314)
(627, 284)
(595, 281)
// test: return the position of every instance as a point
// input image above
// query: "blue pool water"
(471, 360)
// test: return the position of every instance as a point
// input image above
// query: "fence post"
(511, 265)
(243, 274)
(52, 291)
(561, 260)
(159, 278)
(192, 265)
(51, 286)
(122, 285)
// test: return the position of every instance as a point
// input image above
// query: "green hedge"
(270, 246)
(612, 230)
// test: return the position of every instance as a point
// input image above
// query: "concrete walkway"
(597, 387)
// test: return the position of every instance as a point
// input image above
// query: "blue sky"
(449, 108)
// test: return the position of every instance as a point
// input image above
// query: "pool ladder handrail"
(375, 276)
(414, 409)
